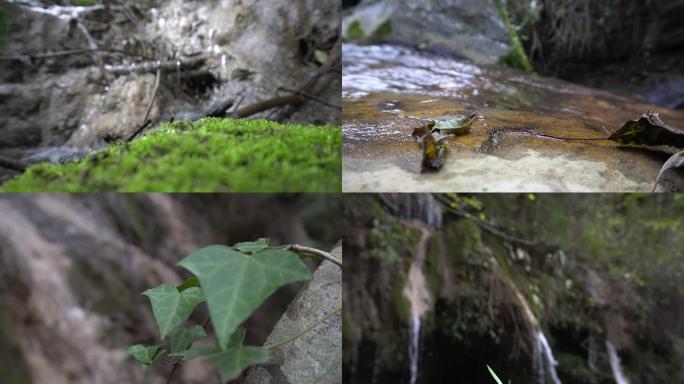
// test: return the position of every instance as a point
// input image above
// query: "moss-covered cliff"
(591, 269)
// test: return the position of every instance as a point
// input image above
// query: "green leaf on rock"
(170, 307)
(235, 283)
(458, 125)
(252, 246)
(146, 355)
(230, 362)
(181, 337)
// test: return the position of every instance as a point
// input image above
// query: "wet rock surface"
(388, 91)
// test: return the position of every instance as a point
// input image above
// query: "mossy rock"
(210, 155)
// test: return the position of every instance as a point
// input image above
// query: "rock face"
(72, 269)
(253, 48)
(316, 357)
(469, 28)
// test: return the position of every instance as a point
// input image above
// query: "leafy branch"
(234, 281)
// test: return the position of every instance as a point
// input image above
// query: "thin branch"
(146, 120)
(314, 251)
(485, 225)
(151, 66)
(22, 57)
(310, 97)
(304, 331)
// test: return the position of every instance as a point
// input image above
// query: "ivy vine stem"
(314, 251)
(177, 363)
(305, 330)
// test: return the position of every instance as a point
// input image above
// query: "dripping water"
(620, 377)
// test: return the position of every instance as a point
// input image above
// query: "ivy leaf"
(146, 355)
(181, 337)
(189, 283)
(230, 362)
(253, 246)
(170, 307)
(649, 132)
(235, 284)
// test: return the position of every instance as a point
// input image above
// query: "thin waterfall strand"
(414, 347)
(544, 360)
(615, 364)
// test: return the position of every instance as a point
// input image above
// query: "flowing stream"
(417, 293)
(620, 377)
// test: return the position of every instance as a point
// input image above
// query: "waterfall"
(615, 364)
(544, 362)
(414, 346)
(418, 295)
(422, 207)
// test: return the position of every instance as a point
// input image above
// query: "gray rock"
(316, 357)
(468, 28)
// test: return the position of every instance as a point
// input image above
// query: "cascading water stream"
(544, 363)
(543, 359)
(414, 347)
(615, 364)
(418, 295)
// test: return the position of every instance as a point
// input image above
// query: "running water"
(414, 347)
(615, 364)
(419, 296)
(545, 364)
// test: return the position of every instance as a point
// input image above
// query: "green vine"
(234, 281)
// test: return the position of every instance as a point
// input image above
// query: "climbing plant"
(233, 281)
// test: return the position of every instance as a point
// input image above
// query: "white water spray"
(615, 364)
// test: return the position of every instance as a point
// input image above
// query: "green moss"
(354, 31)
(576, 369)
(384, 29)
(224, 155)
(402, 305)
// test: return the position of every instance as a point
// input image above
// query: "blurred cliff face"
(72, 268)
